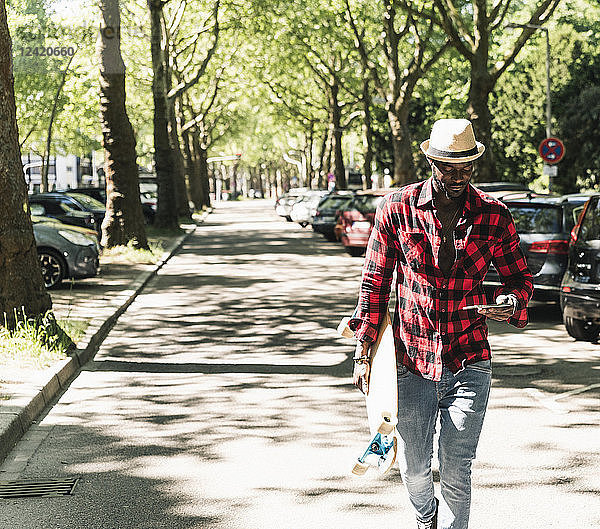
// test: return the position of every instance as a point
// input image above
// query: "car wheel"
(581, 329)
(355, 251)
(54, 268)
(303, 224)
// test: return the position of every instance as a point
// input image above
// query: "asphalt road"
(222, 399)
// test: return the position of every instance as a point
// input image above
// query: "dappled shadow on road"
(222, 398)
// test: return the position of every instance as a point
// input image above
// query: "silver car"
(65, 251)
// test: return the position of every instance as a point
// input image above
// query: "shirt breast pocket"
(413, 246)
(477, 257)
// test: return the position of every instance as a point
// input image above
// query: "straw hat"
(452, 141)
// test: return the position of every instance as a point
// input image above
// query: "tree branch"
(538, 17)
(452, 32)
(183, 86)
(496, 19)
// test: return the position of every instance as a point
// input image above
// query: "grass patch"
(38, 342)
(131, 254)
(74, 328)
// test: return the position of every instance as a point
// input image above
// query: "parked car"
(148, 199)
(544, 223)
(65, 251)
(304, 209)
(62, 208)
(580, 288)
(356, 220)
(493, 187)
(325, 217)
(283, 205)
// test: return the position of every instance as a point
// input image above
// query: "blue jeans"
(461, 400)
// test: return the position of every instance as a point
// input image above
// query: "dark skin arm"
(360, 376)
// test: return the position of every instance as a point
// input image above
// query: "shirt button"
(443, 310)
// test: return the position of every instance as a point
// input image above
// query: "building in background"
(64, 172)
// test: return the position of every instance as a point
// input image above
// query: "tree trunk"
(166, 215)
(200, 149)
(322, 154)
(196, 189)
(336, 121)
(190, 170)
(367, 131)
(308, 152)
(124, 220)
(44, 187)
(21, 285)
(404, 167)
(181, 194)
(480, 88)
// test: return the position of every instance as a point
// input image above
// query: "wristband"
(361, 359)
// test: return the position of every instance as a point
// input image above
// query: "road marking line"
(546, 401)
(550, 402)
(576, 391)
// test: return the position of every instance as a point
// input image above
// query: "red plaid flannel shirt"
(429, 327)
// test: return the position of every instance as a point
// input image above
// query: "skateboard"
(381, 400)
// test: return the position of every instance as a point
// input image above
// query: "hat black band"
(452, 154)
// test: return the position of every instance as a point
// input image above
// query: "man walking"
(440, 237)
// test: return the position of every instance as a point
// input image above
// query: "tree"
(181, 57)
(400, 30)
(46, 157)
(50, 93)
(471, 28)
(166, 215)
(124, 221)
(22, 291)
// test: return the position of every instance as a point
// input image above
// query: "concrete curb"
(26, 407)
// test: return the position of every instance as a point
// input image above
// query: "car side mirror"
(38, 210)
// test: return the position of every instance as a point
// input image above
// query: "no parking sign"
(552, 150)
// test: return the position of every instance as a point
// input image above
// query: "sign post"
(552, 151)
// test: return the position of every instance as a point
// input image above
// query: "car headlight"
(77, 238)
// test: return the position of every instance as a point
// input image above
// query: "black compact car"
(325, 219)
(580, 288)
(66, 209)
(544, 224)
(99, 193)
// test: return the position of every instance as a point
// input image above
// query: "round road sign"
(552, 150)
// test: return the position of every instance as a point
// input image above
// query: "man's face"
(454, 177)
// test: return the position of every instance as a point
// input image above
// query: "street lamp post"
(548, 102)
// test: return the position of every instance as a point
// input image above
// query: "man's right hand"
(360, 375)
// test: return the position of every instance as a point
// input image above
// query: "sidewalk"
(25, 393)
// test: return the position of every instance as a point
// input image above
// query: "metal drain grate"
(31, 488)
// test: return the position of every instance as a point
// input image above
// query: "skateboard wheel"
(360, 469)
(387, 425)
(388, 462)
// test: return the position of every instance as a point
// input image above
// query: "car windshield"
(335, 202)
(533, 218)
(88, 202)
(367, 203)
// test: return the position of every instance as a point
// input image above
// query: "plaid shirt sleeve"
(515, 276)
(377, 273)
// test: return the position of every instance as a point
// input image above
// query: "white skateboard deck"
(382, 396)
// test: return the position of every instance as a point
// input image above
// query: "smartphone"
(491, 306)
